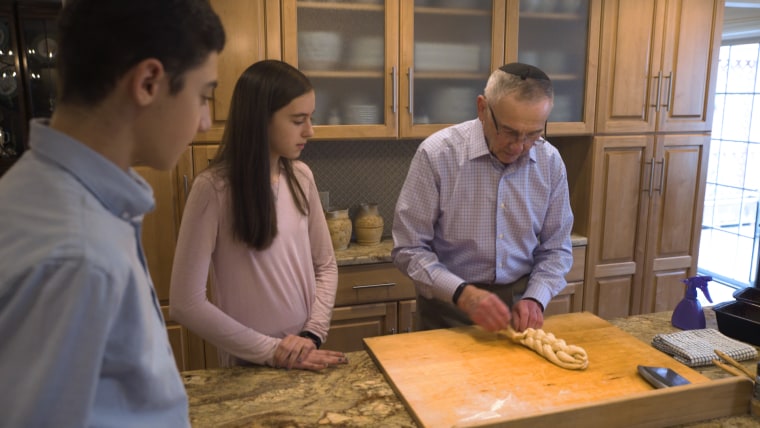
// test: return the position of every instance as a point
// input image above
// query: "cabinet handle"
(382, 284)
(410, 73)
(651, 177)
(186, 185)
(670, 90)
(662, 175)
(656, 105)
(394, 79)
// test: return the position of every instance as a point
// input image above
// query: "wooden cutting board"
(469, 377)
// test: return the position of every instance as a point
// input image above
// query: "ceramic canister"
(339, 225)
(368, 224)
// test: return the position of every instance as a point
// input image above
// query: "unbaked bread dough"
(546, 345)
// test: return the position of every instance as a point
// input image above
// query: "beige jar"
(368, 224)
(339, 225)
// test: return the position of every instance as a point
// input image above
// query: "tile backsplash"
(361, 171)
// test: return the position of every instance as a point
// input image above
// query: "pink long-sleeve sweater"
(258, 297)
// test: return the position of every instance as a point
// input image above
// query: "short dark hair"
(243, 158)
(100, 40)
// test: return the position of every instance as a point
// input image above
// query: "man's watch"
(458, 293)
(314, 338)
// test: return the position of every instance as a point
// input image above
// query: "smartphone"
(662, 377)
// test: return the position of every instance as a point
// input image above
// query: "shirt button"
(125, 215)
(501, 236)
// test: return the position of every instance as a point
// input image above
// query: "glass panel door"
(452, 59)
(553, 35)
(41, 45)
(11, 114)
(341, 47)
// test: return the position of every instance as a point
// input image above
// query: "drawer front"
(371, 283)
(579, 264)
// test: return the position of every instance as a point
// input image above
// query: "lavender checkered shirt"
(462, 216)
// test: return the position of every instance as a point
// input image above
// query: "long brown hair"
(243, 158)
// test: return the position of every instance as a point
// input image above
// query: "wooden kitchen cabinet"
(252, 34)
(646, 216)
(393, 68)
(160, 228)
(388, 70)
(407, 316)
(195, 159)
(159, 238)
(350, 324)
(657, 65)
(372, 300)
(571, 298)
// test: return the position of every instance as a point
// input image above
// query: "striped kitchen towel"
(697, 347)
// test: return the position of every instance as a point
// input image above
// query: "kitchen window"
(731, 219)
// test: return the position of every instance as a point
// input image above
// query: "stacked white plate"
(453, 104)
(366, 53)
(319, 50)
(462, 57)
(361, 114)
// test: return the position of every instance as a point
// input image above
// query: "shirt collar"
(124, 194)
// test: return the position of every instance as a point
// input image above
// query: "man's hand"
(527, 313)
(484, 308)
(296, 352)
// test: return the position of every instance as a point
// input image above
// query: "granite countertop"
(355, 395)
(357, 254)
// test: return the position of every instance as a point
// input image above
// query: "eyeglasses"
(514, 136)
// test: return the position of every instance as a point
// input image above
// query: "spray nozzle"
(697, 282)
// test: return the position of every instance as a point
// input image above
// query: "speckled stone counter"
(357, 254)
(645, 327)
(355, 395)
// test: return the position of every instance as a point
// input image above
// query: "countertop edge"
(357, 254)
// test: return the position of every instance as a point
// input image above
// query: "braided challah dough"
(546, 345)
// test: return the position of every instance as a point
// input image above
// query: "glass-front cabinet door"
(40, 39)
(11, 111)
(393, 68)
(349, 51)
(562, 38)
(448, 49)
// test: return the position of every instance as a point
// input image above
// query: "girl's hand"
(295, 352)
(319, 359)
(292, 350)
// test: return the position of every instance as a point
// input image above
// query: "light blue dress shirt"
(82, 338)
(463, 216)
